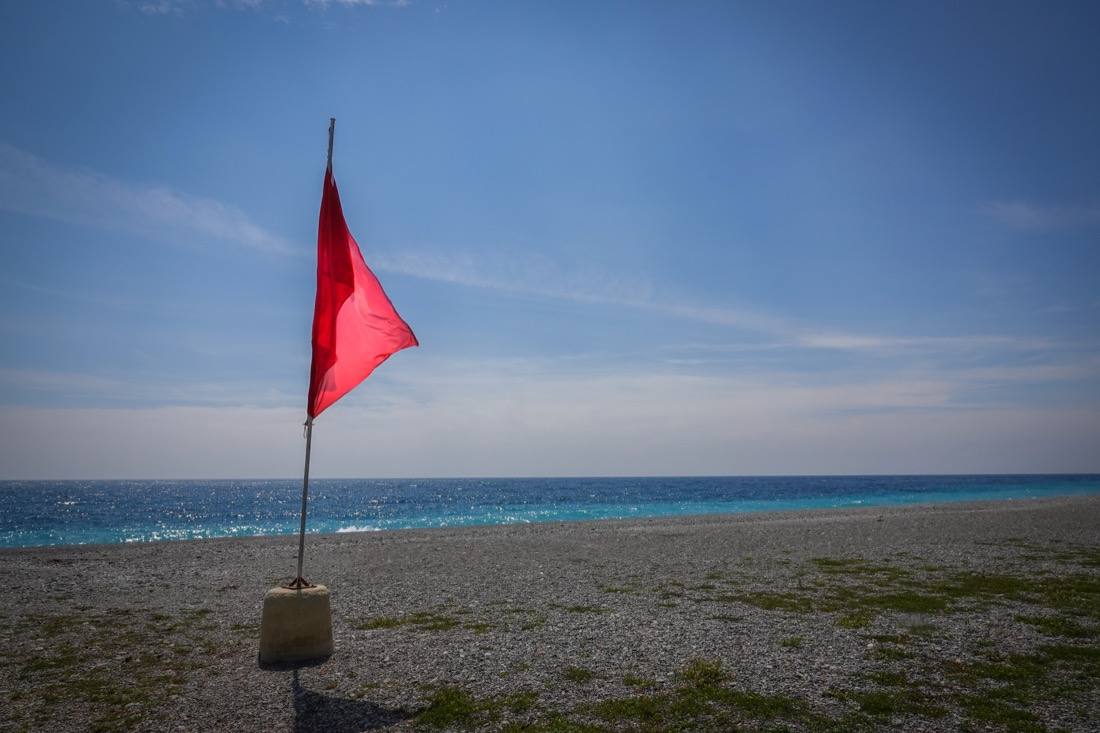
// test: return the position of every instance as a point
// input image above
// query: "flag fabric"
(355, 326)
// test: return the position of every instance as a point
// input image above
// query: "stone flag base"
(296, 626)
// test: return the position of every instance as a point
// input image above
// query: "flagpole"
(331, 133)
(299, 581)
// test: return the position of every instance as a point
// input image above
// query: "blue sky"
(632, 238)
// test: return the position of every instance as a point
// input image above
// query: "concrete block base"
(296, 625)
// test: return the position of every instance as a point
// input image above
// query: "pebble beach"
(980, 616)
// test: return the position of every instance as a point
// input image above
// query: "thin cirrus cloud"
(30, 185)
(354, 3)
(1029, 216)
(178, 7)
(529, 277)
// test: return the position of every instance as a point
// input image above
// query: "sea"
(41, 513)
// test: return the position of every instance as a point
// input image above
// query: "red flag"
(355, 326)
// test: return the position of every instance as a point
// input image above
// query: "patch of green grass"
(632, 680)
(480, 628)
(878, 574)
(533, 623)
(1084, 659)
(453, 707)
(643, 709)
(723, 598)
(99, 658)
(1077, 595)
(791, 642)
(64, 657)
(1058, 626)
(705, 702)
(991, 709)
(1089, 556)
(730, 619)
(778, 601)
(765, 707)
(889, 679)
(855, 619)
(701, 672)
(586, 609)
(381, 622)
(891, 703)
(579, 675)
(857, 606)
(835, 564)
(891, 590)
(909, 602)
(1000, 690)
(555, 723)
(520, 702)
(978, 585)
(421, 620)
(53, 625)
(431, 621)
(891, 653)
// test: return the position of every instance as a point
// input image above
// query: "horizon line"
(572, 477)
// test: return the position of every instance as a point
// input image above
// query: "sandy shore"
(980, 616)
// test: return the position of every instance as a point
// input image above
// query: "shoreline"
(762, 514)
(765, 515)
(873, 618)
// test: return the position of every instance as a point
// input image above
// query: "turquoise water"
(35, 513)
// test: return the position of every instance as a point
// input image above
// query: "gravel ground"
(966, 616)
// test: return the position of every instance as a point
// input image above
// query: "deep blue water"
(80, 512)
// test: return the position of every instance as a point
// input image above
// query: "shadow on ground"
(314, 711)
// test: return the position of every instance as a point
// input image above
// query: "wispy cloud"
(38, 386)
(852, 342)
(179, 7)
(533, 276)
(354, 3)
(1031, 216)
(163, 7)
(30, 185)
